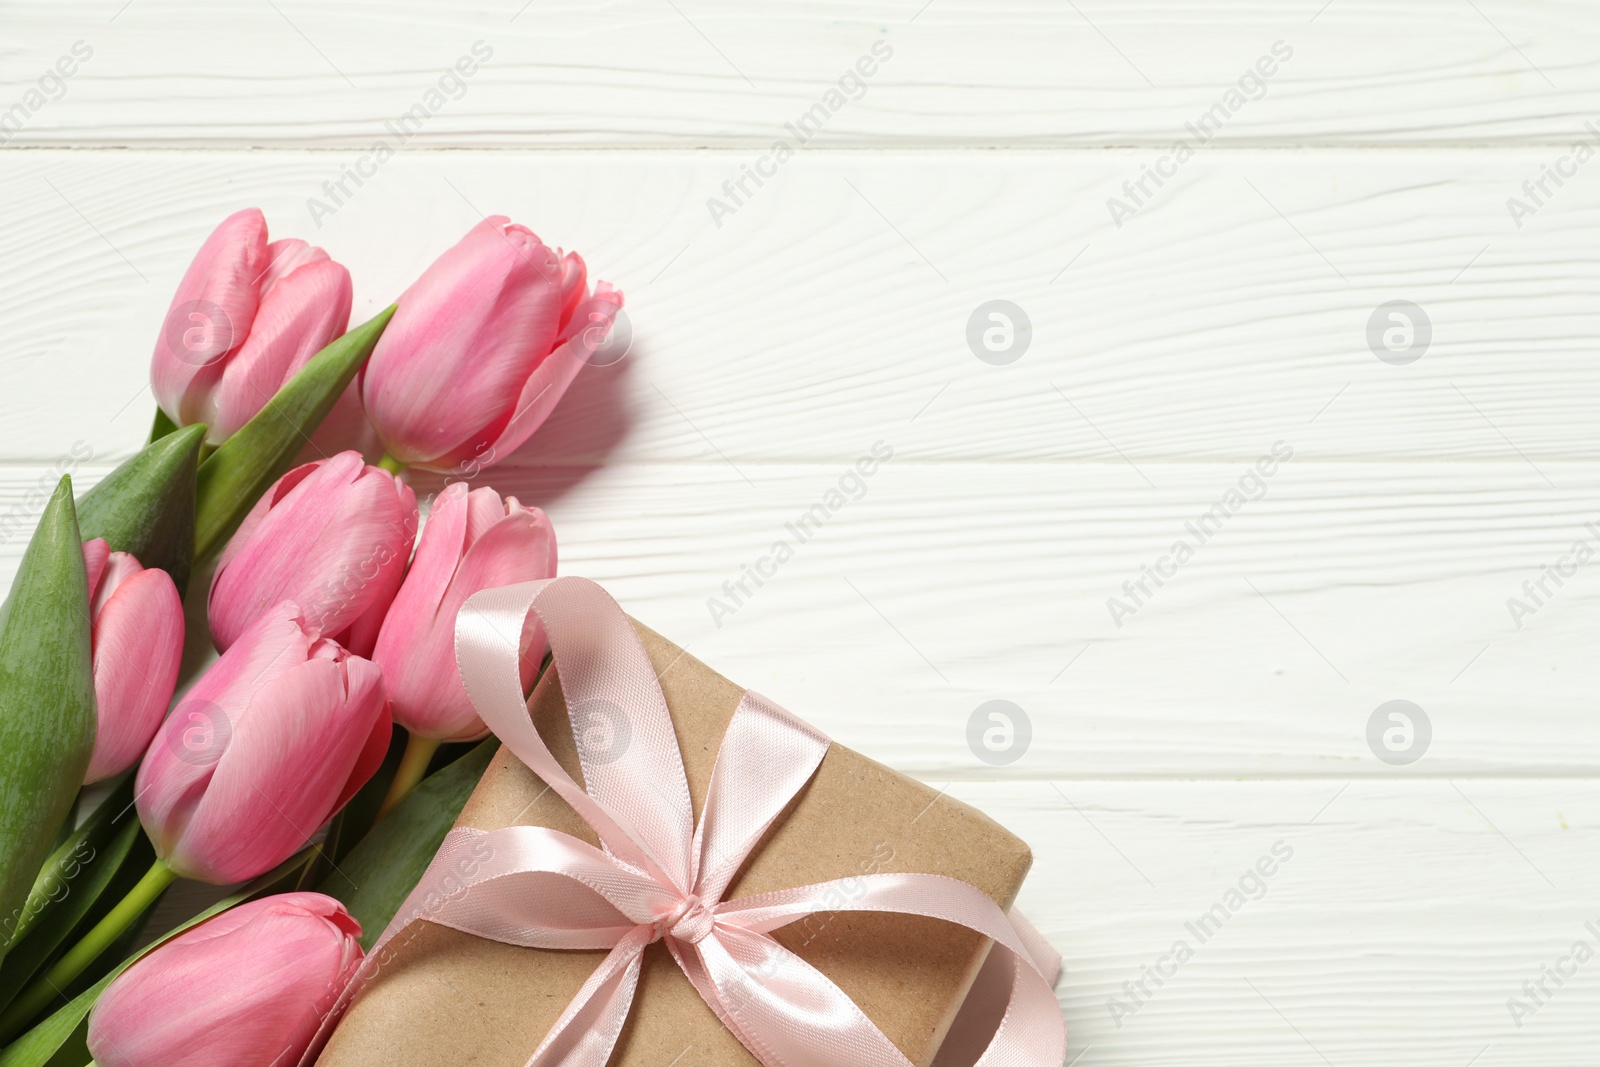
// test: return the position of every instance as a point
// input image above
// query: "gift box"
(442, 996)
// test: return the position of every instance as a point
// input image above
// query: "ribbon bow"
(661, 878)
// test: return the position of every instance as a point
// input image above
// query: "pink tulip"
(137, 637)
(246, 316)
(264, 749)
(248, 988)
(482, 347)
(472, 541)
(334, 537)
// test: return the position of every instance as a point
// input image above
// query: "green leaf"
(348, 827)
(374, 879)
(127, 875)
(162, 426)
(38, 1046)
(357, 817)
(246, 464)
(47, 718)
(146, 506)
(31, 954)
(59, 877)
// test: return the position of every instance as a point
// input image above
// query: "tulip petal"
(290, 758)
(335, 544)
(286, 255)
(120, 566)
(574, 286)
(269, 500)
(361, 638)
(364, 680)
(519, 548)
(96, 552)
(418, 675)
(484, 509)
(419, 666)
(297, 317)
(467, 333)
(210, 315)
(550, 379)
(250, 986)
(438, 551)
(184, 754)
(138, 647)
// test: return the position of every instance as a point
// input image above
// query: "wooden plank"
(1330, 954)
(833, 307)
(1406, 917)
(716, 73)
(1211, 726)
(936, 588)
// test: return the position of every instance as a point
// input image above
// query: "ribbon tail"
(1045, 958)
(785, 1011)
(1030, 1030)
(1005, 1021)
(587, 1031)
(694, 969)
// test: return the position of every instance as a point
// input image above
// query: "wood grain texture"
(775, 343)
(942, 586)
(1405, 918)
(697, 73)
(833, 307)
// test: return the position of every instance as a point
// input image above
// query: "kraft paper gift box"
(445, 997)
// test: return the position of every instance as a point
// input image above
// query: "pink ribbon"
(660, 877)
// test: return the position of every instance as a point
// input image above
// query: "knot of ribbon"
(660, 877)
(690, 921)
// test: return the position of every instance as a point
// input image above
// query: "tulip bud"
(137, 636)
(333, 536)
(481, 348)
(246, 316)
(262, 750)
(247, 988)
(472, 541)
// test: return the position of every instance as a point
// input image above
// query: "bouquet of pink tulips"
(277, 769)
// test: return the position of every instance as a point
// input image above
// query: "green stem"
(392, 465)
(61, 974)
(413, 766)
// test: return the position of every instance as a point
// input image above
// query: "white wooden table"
(1176, 740)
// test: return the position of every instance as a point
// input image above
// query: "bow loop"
(625, 736)
(767, 757)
